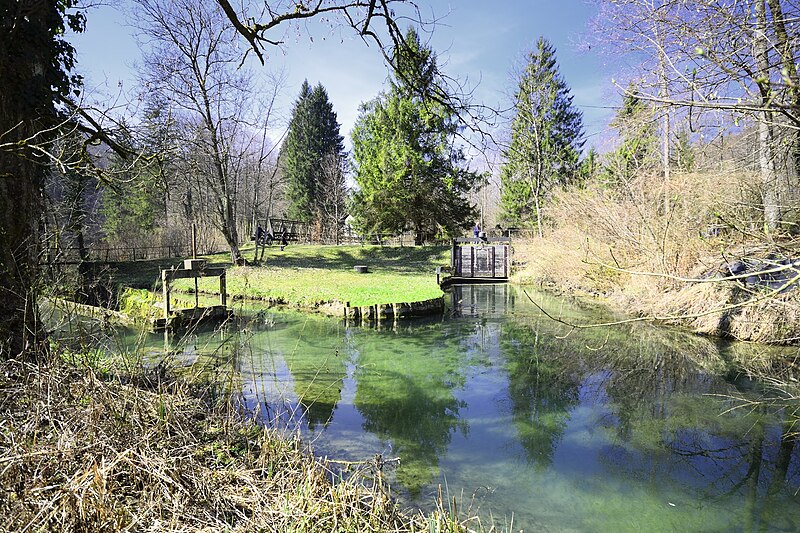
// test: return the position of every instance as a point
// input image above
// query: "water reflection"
(626, 429)
(405, 396)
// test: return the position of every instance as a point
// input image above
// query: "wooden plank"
(180, 273)
(473, 240)
(165, 292)
(471, 262)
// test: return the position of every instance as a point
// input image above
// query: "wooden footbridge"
(478, 260)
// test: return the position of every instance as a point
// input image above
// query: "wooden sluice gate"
(479, 260)
(192, 268)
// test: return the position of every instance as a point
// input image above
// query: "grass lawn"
(307, 275)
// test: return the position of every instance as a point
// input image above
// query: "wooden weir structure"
(476, 260)
(192, 268)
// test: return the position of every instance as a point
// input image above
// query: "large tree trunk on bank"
(26, 108)
(19, 249)
(785, 45)
(766, 137)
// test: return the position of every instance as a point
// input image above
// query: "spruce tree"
(410, 172)
(638, 150)
(546, 139)
(313, 136)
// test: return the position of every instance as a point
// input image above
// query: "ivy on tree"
(546, 139)
(36, 82)
(410, 172)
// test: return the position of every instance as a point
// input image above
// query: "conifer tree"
(546, 139)
(313, 136)
(638, 149)
(410, 172)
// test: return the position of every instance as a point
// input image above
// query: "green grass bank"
(311, 276)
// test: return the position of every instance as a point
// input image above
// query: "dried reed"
(81, 450)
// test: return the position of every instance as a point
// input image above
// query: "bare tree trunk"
(766, 160)
(228, 210)
(666, 131)
(538, 188)
(784, 44)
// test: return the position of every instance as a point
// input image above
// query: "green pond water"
(633, 428)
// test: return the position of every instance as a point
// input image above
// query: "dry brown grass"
(622, 245)
(84, 452)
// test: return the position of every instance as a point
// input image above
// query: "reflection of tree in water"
(318, 384)
(407, 399)
(543, 387)
(678, 425)
(644, 372)
(708, 453)
(311, 349)
(318, 369)
(673, 421)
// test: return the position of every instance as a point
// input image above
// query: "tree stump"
(361, 269)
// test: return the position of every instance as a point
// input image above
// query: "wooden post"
(494, 257)
(194, 256)
(472, 261)
(222, 289)
(165, 291)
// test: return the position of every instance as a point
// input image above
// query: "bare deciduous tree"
(191, 60)
(736, 59)
(333, 196)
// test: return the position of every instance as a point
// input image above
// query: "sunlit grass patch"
(308, 275)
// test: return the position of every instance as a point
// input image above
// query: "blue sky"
(476, 40)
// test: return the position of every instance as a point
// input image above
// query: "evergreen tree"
(546, 139)
(638, 149)
(589, 165)
(313, 135)
(133, 203)
(409, 170)
(684, 158)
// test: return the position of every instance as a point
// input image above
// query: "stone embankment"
(388, 311)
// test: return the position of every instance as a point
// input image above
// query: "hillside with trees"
(692, 217)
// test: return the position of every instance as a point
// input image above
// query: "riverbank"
(622, 250)
(314, 277)
(87, 450)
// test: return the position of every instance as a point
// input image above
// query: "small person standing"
(284, 238)
(476, 231)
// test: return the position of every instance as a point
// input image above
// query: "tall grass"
(625, 245)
